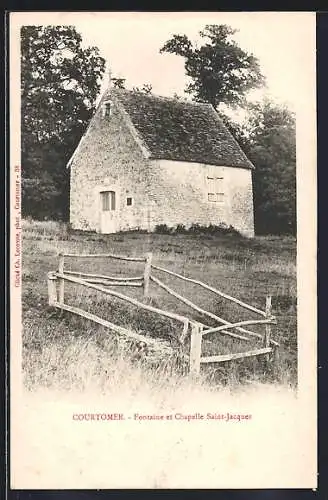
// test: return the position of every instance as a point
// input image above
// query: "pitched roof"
(179, 130)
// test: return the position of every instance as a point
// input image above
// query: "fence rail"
(103, 276)
(198, 309)
(103, 255)
(119, 329)
(238, 355)
(56, 291)
(219, 329)
(203, 311)
(211, 289)
(126, 298)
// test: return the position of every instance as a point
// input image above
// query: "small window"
(216, 197)
(108, 200)
(215, 188)
(129, 202)
(106, 108)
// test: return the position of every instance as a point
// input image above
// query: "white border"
(306, 246)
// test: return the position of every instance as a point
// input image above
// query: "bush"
(163, 229)
(211, 229)
(181, 229)
(196, 229)
(221, 229)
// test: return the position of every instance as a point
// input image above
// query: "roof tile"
(180, 130)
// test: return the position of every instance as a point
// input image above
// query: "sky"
(283, 42)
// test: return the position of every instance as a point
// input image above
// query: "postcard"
(163, 250)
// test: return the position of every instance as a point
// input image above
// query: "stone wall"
(182, 197)
(108, 158)
(241, 201)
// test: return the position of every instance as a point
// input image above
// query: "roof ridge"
(218, 117)
(172, 128)
(164, 97)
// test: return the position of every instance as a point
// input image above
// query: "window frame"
(108, 202)
(106, 108)
(215, 194)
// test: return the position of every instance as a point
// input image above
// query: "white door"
(108, 212)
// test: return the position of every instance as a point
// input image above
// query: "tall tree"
(60, 81)
(269, 139)
(220, 71)
(146, 88)
(118, 83)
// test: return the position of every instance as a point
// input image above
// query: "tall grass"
(64, 352)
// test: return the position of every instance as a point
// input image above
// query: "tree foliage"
(272, 149)
(269, 140)
(59, 86)
(147, 88)
(118, 83)
(220, 71)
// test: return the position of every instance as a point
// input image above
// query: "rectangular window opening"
(215, 188)
(106, 109)
(108, 200)
(129, 201)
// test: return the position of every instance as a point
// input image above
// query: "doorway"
(108, 212)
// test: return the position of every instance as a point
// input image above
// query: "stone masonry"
(110, 157)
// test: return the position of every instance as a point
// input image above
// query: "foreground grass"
(65, 352)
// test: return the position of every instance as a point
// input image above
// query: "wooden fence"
(197, 330)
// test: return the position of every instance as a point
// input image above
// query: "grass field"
(65, 352)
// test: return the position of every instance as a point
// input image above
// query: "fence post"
(146, 275)
(52, 291)
(184, 331)
(61, 281)
(268, 315)
(195, 348)
(275, 361)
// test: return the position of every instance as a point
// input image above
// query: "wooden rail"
(108, 324)
(107, 255)
(198, 309)
(198, 330)
(214, 316)
(237, 355)
(240, 323)
(211, 289)
(114, 283)
(119, 295)
(103, 276)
